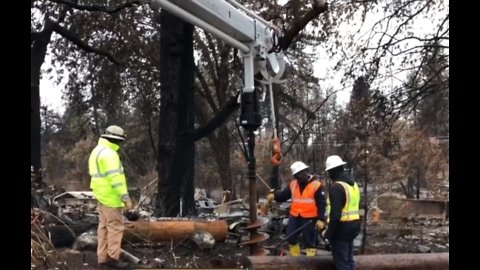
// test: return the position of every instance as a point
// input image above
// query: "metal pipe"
(130, 257)
(264, 182)
(428, 261)
(248, 72)
(252, 181)
(187, 16)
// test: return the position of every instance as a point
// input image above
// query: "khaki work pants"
(110, 233)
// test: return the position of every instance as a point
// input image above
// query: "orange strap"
(276, 159)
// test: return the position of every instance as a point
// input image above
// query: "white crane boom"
(256, 38)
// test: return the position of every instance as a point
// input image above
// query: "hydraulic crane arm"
(256, 38)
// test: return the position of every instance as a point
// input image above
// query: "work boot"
(294, 250)
(311, 251)
(116, 264)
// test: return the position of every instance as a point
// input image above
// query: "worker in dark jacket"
(344, 218)
(308, 206)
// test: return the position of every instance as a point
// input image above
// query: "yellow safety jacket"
(350, 210)
(108, 181)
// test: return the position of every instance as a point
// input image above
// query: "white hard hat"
(114, 132)
(333, 161)
(298, 166)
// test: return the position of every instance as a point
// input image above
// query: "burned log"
(65, 235)
(173, 230)
(431, 261)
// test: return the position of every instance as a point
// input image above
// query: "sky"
(51, 95)
(50, 92)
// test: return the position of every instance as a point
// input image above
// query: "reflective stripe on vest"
(352, 202)
(327, 208)
(107, 173)
(107, 178)
(304, 204)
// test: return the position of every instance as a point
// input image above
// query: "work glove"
(271, 195)
(320, 226)
(128, 204)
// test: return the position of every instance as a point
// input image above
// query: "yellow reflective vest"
(350, 210)
(108, 181)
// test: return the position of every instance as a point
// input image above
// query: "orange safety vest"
(304, 204)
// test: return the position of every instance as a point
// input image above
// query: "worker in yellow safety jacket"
(308, 206)
(344, 218)
(109, 187)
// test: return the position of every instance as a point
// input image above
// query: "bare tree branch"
(231, 106)
(292, 101)
(404, 23)
(205, 51)
(202, 118)
(213, 50)
(98, 7)
(298, 25)
(441, 26)
(295, 137)
(206, 90)
(223, 71)
(75, 40)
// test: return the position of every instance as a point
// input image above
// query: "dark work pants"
(342, 251)
(308, 232)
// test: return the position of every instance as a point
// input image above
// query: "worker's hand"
(128, 204)
(320, 226)
(271, 195)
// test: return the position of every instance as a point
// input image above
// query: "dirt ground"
(183, 256)
(385, 238)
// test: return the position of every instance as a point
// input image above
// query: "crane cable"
(276, 159)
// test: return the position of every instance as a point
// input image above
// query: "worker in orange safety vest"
(308, 205)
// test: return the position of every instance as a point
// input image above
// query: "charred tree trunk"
(404, 189)
(410, 187)
(173, 230)
(176, 147)
(38, 51)
(418, 186)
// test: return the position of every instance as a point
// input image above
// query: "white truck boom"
(256, 38)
